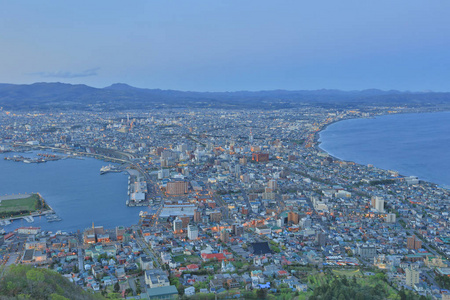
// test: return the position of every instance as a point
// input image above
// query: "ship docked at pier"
(109, 168)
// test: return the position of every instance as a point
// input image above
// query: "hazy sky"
(228, 45)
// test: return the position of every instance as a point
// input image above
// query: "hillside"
(26, 282)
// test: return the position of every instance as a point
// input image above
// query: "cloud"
(67, 74)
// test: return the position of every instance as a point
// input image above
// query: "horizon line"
(231, 91)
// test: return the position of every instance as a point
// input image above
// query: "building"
(321, 239)
(28, 230)
(272, 184)
(390, 218)
(413, 243)
(306, 222)
(238, 230)
(177, 187)
(177, 225)
(120, 231)
(378, 204)
(412, 275)
(156, 278)
(146, 263)
(245, 178)
(163, 293)
(192, 232)
(197, 216)
(293, 217)
(28, 256)
(260, 157)
(185, 221)
(224, 236)
(179, 210)
(215, 216)
(367, 251)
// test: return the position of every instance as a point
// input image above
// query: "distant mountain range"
(122, 96)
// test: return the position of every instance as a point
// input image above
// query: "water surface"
(74, 188)
(412, 144)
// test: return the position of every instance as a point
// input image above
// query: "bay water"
(74, 189)
(412, 144)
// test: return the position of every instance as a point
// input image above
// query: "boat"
(53, 218)
(109, 168)
(105, 169)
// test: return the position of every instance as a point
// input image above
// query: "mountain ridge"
(44, 95)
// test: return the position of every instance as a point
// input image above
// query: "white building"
(390, 218)
(378, 204)
(192, 232)
(412, 275)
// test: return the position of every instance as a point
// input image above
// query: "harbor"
(137, 189)
(73, 188)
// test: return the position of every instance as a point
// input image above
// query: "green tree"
(57, 297)
(35, 275)
(261, 294)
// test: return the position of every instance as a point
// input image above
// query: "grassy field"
(348, 273)
(16, 206)
(186, 259)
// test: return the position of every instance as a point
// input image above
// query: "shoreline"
(321, 150)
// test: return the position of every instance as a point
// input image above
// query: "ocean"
(74, 188)
(412, 144)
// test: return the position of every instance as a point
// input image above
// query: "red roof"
(218, 256)
(192, 267)
(9, 235)
(28, 228)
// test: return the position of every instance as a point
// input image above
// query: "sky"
(228, 45)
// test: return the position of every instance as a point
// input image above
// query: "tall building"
(224, 236)
(177, 225)
(215, 216)
(272, 185)
(378, 203)
(120, 231)
(192, 232)
(238, 230)
(413, 243)
(321, 239)
(185, 221)
(177, 187)
(197, 216)
(293, 217)
(237, 170)
(390, 218)
(412, 275)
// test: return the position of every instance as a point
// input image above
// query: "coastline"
(319, 149)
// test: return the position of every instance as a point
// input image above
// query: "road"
(80, 259)
(145, 247)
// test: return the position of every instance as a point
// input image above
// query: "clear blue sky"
(228, 45)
